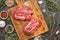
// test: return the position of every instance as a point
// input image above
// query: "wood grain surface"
(20, 24)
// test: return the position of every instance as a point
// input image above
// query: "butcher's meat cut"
(24, 13)
(32, 26)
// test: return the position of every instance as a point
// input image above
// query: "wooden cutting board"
(18, 25)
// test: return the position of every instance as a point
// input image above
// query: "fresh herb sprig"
(2, 4)
(12, 36)
(52, 5)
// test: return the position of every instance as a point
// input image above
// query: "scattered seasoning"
(9, 3)
(2, 23)
(9, 29)
(4, 15)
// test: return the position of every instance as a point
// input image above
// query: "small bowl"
(8, 3)
(9, 28)
(4, 14)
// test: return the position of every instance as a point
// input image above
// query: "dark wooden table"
(8, 21)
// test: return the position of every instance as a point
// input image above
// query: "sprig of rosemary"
(12, 36)
(2, 4)
(52, 5)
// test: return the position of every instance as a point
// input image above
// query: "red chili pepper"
(24, 13)
(32, 26)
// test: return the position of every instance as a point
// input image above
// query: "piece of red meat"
(24, 13)
(32, 26)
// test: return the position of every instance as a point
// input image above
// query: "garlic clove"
(57, 32)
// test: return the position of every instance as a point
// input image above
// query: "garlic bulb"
(26, 3)
(44, 10)
(38, 38)
(2, 23)
(40, 2)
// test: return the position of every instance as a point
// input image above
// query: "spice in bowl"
(9, 28)
(4, 15)
(2, 23)
(9, 3)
